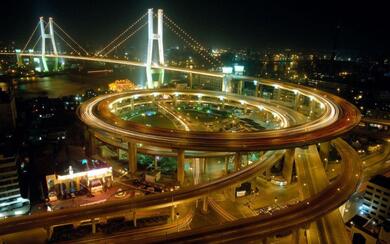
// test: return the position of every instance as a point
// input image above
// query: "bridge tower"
(45, 36)
(151, 37)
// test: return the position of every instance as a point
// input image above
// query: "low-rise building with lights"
(92, 180)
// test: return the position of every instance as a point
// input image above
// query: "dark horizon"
(306, 25)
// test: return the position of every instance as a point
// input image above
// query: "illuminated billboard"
(227, 70)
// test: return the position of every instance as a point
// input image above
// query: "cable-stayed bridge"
(37, 46)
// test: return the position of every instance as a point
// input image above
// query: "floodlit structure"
(151, 37)
(45, 36)
(74, 181)
(11, 201)
(281, 122)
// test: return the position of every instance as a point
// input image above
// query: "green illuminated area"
(197, 116)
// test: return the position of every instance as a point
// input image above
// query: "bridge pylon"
(151, 37)
(45, 36)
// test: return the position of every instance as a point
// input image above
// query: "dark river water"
(71, 84)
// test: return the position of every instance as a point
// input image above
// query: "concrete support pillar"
(155, 162)
(240, 87)
(237, 161)
(93, 220)
(190, 81)
(180, 166)
(132, 103)
(134, 218)
(246, 159)
(260, 90)
(91, 144)
(226, 164)
(324, 152)
(132, 157)
(268, 173)
(230, 192)
(288, 165)
(201, 165)
(172, 213)
(226, 83)
(205, 205)
(295, 236)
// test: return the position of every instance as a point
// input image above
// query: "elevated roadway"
(122, 62)
(154, 201)
(299, 215)
(338, 117)
(312, 179)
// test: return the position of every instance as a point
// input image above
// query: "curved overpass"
(295, 216)
(338, 117)
(148, 202)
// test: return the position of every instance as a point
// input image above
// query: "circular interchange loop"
(337, 117)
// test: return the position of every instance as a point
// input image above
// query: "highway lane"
(347, 117)
(139, 233)
(312, 179)
(255, 228)
(122, 62)
(154, 201)
(334, 122)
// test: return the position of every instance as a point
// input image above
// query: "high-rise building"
(11, 201)
(7, 108)
(376, 203)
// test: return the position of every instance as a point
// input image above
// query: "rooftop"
(360, 222)
(381, 180)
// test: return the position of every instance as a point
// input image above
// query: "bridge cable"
(39, 38)
(29, 39)
(197, 44)
(70, 37)
(171, 28)
(130, 35)
(120, 35)
(197, 49)
(63, 39)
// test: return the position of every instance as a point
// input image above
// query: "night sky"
(306, 25)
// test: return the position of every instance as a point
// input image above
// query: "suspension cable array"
(121, 42)
(76, 47)
(67, 43)
(189, 40)
(31, 36)
(116, 42)
(70, 38)
(127, 33)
